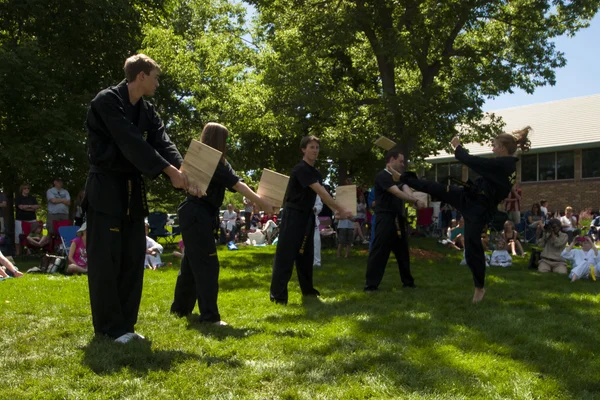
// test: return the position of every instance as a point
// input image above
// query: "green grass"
(533, 337)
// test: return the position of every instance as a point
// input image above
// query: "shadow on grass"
(104, 357)
(211, 330)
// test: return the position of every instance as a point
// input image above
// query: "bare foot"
(574, 278)
(18, 274)
(478, 295)
(3, 274)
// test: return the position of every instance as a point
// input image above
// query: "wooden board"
(346, 197)
(272, 186)
(199, 164)
(385, 143)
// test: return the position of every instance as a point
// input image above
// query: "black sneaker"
(313, 293)
(409, 285)
(277, 301)
(370, 289)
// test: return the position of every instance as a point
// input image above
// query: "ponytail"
(518, 139)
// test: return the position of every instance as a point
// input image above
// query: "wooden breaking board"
(199, 164)
(345, 196)
(272, 186)
(385, 143)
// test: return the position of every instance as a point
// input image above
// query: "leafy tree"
(417, 71)
(55, 55)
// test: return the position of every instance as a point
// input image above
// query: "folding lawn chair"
(157, 222)
(67, 234)
(496, 226)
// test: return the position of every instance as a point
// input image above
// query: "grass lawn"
(533, 337)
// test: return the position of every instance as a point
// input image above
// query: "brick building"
(563, 165)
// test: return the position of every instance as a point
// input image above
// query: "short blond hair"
(139, 63)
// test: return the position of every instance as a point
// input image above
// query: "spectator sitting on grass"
(553, 241)
(36, 238)
(585, 260)
(179, 254)
(511, 237)
(78, 252)
(570, 225)
(535, 220)
(500, 256)
(153, 252)
(7, 269)
(456, 235)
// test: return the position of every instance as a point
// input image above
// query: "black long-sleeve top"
(497, 175)
(124, 141)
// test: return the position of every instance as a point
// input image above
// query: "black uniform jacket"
(497, 175)
(124, 142)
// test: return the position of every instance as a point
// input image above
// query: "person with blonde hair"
(478, 201)
(569, 224)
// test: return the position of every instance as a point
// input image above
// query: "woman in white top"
(585, 260)
(569, 223)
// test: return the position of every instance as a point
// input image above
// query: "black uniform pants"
(475, 212)
(297, 227)
(387, 240)
(198, 278)
(116, 250)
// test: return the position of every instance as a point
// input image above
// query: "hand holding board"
(345, 196)
(273, 186)
(199, 164)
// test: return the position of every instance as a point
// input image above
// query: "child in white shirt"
(500, 256)
(585, 260)
(153, 252)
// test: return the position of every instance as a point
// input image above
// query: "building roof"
(557, 125)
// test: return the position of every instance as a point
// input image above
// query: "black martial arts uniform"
(390, 234)
(199, 275)
(124, 142)
(296, 240)
(477, 202)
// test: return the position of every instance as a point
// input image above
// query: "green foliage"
(531, 338)
(55, 55)
(416, 71)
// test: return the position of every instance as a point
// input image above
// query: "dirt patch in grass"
(419, 254)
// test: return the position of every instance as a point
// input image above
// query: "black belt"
(130, 178)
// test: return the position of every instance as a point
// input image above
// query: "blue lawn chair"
(67, 234)
(157, 222)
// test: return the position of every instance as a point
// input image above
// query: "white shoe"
(221, 323)
(126, 338)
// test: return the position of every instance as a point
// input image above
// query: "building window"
(455, 171)
(590, 163)
(529, 168)
(565, 165)
(548, 166)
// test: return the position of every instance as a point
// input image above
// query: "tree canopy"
(417, 71)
